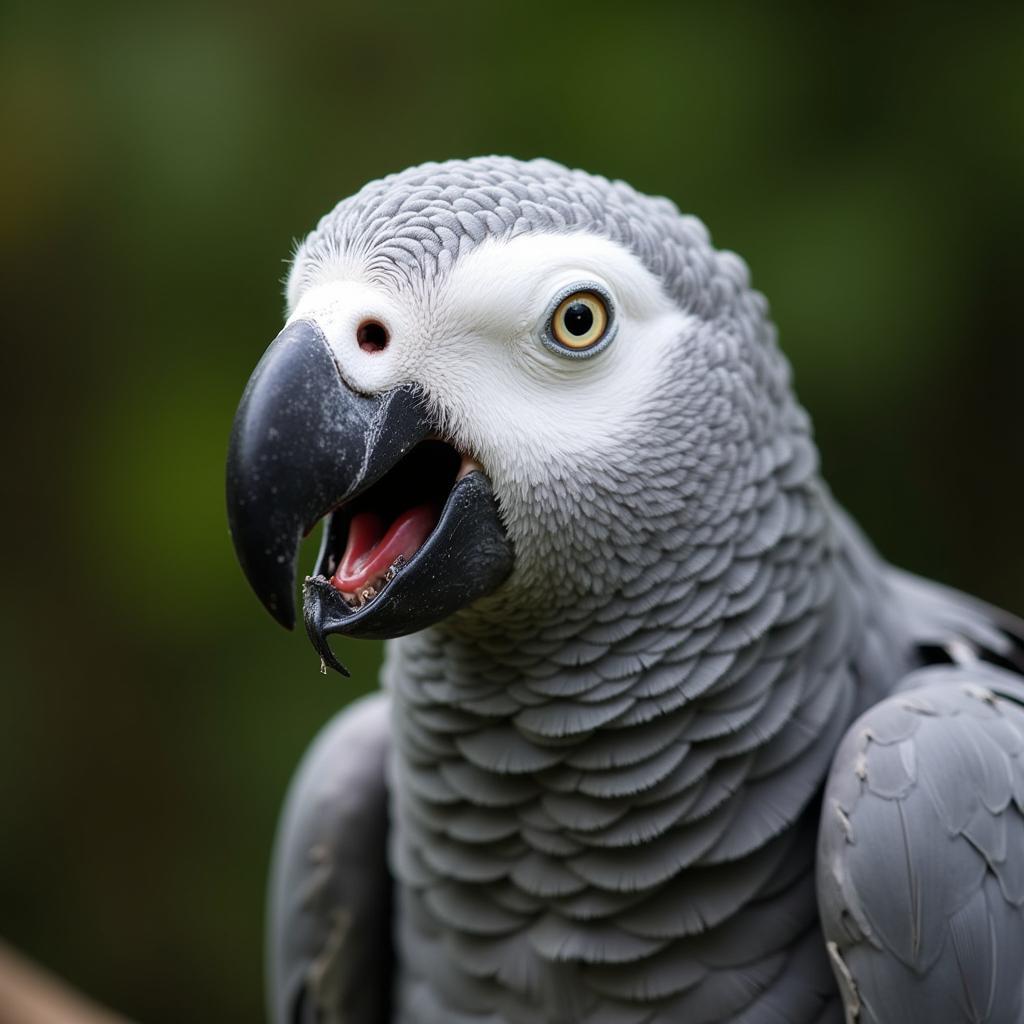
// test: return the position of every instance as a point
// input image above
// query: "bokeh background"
(158, 163)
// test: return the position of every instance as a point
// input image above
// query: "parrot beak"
(413, 534)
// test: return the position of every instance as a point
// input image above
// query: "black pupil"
(578, 319)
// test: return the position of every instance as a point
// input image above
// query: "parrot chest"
(628, 833)
(541, 922)
(553, 892)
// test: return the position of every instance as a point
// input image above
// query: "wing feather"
(330, 956)
(921, 850)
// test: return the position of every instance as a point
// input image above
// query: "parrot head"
(503, 385)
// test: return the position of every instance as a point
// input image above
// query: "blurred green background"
(159, 161)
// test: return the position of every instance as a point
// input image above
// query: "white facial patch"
(509, 398)
(338, 307)
(473, 341)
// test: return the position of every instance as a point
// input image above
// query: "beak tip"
(313, 614)
(288, 621)
(271, 577)
(282, 610)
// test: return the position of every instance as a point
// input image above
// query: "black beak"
(302, 442)
(304, 445)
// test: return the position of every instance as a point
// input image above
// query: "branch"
(31, 995)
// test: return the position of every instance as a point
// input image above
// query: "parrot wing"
(921, 844)
(329, 936)
(947, 624)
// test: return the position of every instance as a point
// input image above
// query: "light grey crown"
(417, 223)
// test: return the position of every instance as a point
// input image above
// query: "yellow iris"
(580, 321)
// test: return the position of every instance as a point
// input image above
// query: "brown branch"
(31, 995)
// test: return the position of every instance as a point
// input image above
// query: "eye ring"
(580, 321)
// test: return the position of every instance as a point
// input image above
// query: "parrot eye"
(581, 323)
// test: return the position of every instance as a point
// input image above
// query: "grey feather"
(604, 778)
(919, 880)
(329, 954)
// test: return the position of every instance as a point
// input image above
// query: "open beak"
(413, 533)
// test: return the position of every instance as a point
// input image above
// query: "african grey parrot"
(661, 738)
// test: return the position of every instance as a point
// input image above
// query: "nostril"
(372, 336)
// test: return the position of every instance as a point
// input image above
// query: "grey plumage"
(922, 850)
(329, 946)
(605, 779)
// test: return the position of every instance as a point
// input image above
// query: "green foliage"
(158, 163)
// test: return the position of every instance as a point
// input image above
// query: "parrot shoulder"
(919, 867)
(329, 930)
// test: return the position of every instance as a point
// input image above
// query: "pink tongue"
(369, 555)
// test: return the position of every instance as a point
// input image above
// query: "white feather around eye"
(471, 340)
(514, 402)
